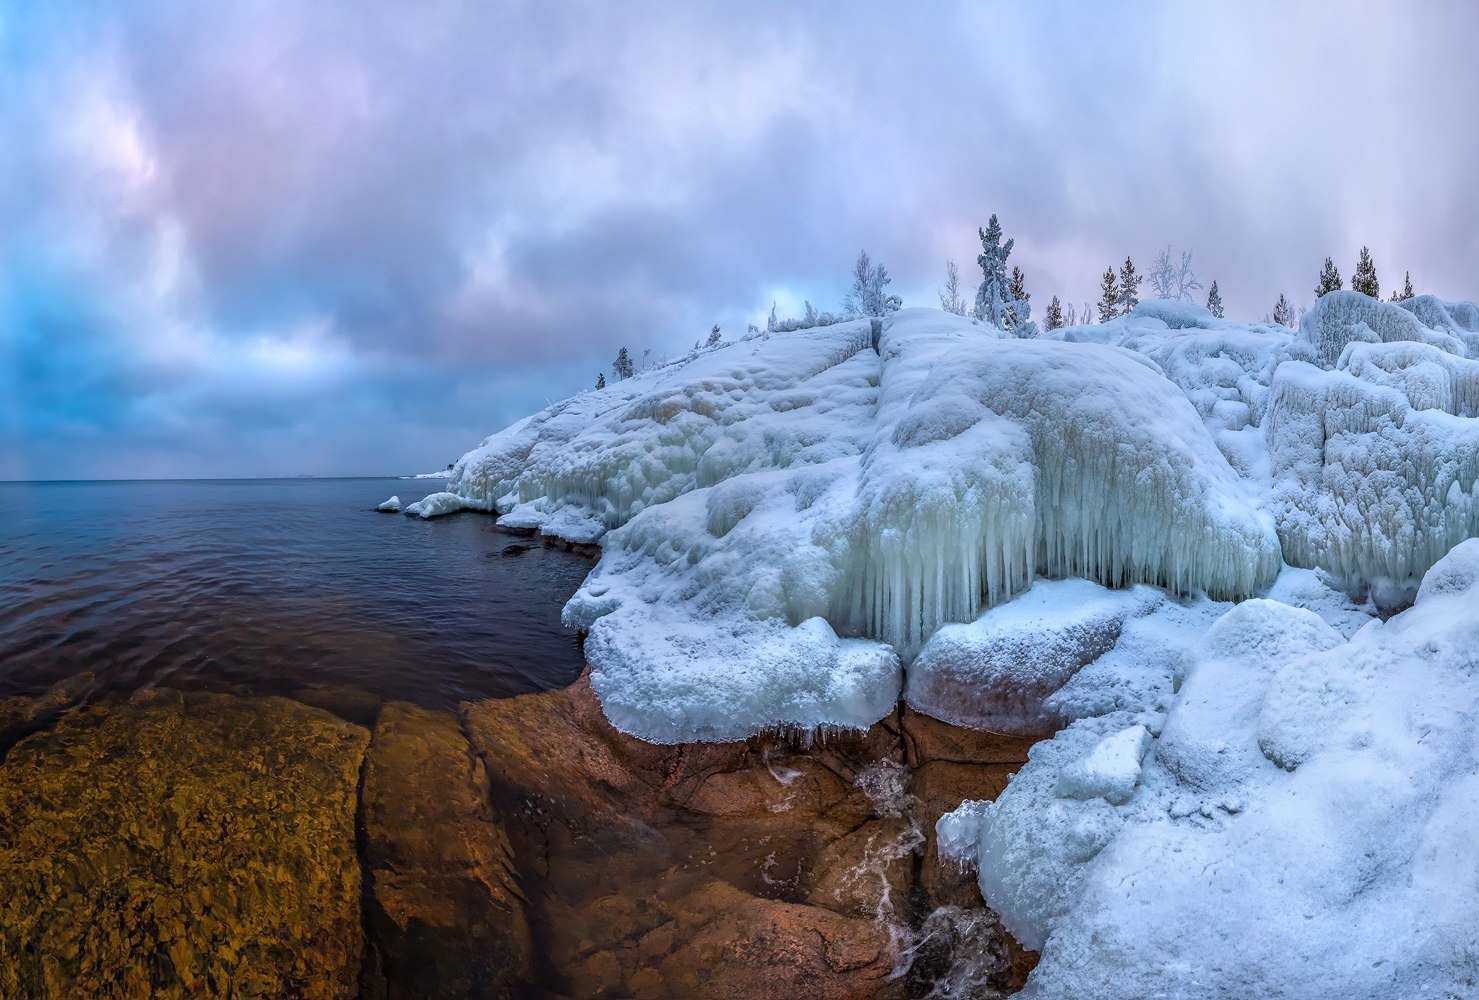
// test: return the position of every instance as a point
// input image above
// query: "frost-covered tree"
(1406, 292)
(810, 318)
(623, 368)
(995, 294)
(1283, 312)
(1329, 279)
(774, 321)
(1162, 275)
(1214, 300)
(1053, 319)
(1186, 278)
(1018, 316)
(1109, 296)
(950, 298)
(1129, 288)
(713, 336)
(867, 296)
(1071, 317)
(601, 380)
(1364, 280)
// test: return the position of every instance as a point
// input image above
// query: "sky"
(354, 238)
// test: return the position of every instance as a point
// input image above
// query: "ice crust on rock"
(1301, 827)
(1375, 463)
(957, 465)
(436, 505)
(888, 485)
(997, 672)
(391, 506)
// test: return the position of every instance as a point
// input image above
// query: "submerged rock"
(447, 915)
(182, 845)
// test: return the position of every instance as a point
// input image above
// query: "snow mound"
(1375, 465)
(642, 441)
(1340, 318)
(1308, 800)
(391, 506)
(436, 505)
(996, 672)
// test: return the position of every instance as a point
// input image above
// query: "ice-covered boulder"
(1375, 464)
(996, 673)
(436, 505)
(391, 506)
(1307, 799)
(1345, 317)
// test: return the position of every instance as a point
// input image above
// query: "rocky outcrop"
(182, 845)
(749, 869)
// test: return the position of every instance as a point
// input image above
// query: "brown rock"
(447, 913)
(182, 845)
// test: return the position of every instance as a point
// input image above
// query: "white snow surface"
(1301, 825)
(391, 506)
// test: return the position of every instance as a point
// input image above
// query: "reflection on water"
(271, 585)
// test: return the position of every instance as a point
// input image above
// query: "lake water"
(270, 585)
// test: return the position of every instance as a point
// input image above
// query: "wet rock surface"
(182, 845)
(188, 844)
(751, 869)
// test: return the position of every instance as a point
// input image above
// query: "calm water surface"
(272, 585)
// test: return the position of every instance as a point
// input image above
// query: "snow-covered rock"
(1301, 826)
(391, 506)
(437, 504)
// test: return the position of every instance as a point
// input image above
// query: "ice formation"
(1375, 464)
(1300, 825)
(391, 506)
(435, 505)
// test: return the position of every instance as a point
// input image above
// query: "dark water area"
(267, 586)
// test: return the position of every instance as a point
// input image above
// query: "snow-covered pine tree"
(1129, 288)
(995, 292)
(601, 380)
(623, 368)
(1214, 300)
(950, 299)
(1364, 280)
(1283, 312)
(1109, 296)
(773, 322)
(1406, 292)
(811, 315)
(1054, 317)
(1329, 279)
(1019, 311)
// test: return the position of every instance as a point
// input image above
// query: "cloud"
(279, 237)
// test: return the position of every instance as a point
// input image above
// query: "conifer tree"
(1109, 296)
(622, 367)
(714, 336)
(1283, 312)
(601, 380)
(1054, 318)
(1329, 279)
(811, 315)
(1214, 300)
(1129, 288)
(1364, 280)
(1406, 292)
(1019, 312)
(994, 297)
